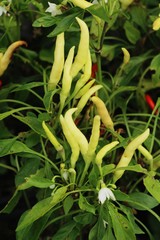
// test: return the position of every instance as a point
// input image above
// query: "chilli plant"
(79, 114)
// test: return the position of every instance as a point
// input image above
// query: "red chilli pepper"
(0, 84)
(150, 102)
(94, 70)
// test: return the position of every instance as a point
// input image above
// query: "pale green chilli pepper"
(54, 140)
(82, 102)
(85, 76)
(58, 63)
(93, 142)
(72, 142)
(67, 78)
(128, 154)
(85, 89)
(83, 48)
(103, 112)
(78, 135)
(100, 155)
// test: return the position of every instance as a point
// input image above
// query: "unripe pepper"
(82, 102)
(125, 3)
(103, 113)
(78, 135)
(58, 63)
(67, 78)
(81, 3)
(126, 57)
(156, 24)
(5, 58)
(104, 150)
(84, 89)
(83, 48)
(128, 154)
(85, 76)
(54, 140)
(93, 142)
(72, 142)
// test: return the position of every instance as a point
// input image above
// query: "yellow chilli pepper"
(85, 76)
(85, 89)
(126, 57)
(82, 102)
(156, 24)
(93, 142)
(58, 63)
(83, 48)
(125, 3)
(81, 3)
(67, 78)
(54, 140)
(104, 150)
(128, 154)
(78, 135)
(103, 112)
(72, 142)
(5, 58)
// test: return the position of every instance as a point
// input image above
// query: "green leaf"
(36, 180)
(143, 199)
(84, 218)
(64, 231)
(67, 204)
(46, 21)
(65, 23)
(154, 66)
(85, 205)
(121, 225)
(47, 100)
(27, 86)
(98, 230)
(6, 145)
(34, 230)
(132, 33)
(29, 167)
(11, 203)
(106, 169)
(98, 11)
(42, 207)
(153, 187)
(33, 122)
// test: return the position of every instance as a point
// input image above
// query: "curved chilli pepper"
(81, 3)
(84, 89)
(128, 154)
(72, 142)
(156, 24)
(125, 3)
(58, 63)
(83, 48)
(5, 58)
(67, 78)
(126, 56)
(93, 142)
(53, 140)
(100, 155)
(103, 112)
(150, 102)
(82, 102)
(85, 76)
(148, 157)
(78, 135)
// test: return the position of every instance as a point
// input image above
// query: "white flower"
(53, 9)
(105, 193)
(2, 10)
